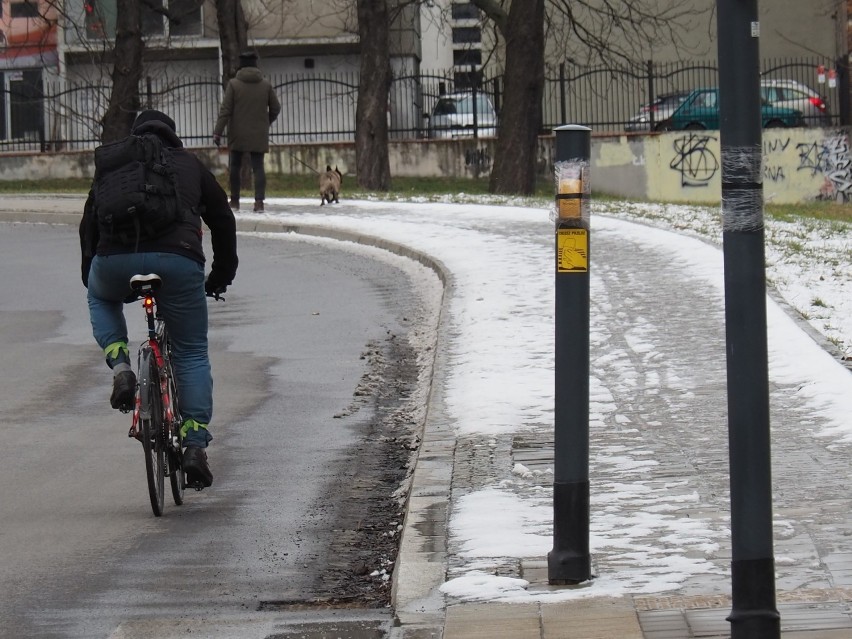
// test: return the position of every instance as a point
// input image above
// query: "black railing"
(321, 107)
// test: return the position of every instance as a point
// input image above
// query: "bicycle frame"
(156, 412)
(157, 342)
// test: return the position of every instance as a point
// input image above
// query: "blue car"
(700, 110)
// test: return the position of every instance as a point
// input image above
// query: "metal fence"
(54, 116)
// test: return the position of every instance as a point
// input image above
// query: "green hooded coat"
(249, 107)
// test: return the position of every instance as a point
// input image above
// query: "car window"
(672, 100)
(465, 105)
(445, 106)
(483, 105)
(706, 100)
(792, 94)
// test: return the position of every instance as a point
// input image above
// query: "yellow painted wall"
(799, 165)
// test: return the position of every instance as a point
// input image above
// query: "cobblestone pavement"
(659, 440)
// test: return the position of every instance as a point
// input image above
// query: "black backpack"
(136, 189)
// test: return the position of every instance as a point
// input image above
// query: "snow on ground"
(500, 321)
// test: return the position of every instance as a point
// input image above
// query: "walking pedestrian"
(248, 109)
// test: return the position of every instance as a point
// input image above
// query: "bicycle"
(156, 414)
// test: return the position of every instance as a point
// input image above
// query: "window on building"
(464, 35)
(464, 11)
(94, 20)
(185, 17)
(465, 80)
(153, 21)
(26, 9)
(467, 57)
(21, 105)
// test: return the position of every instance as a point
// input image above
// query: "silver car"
(452, 116)
(662, 108)
(794, 95)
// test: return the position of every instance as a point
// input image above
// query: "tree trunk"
(233, 40)
(233, 35)
(371, 125)
(127, 72)
(523, 87)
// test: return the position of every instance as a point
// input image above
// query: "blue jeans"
(183, 304)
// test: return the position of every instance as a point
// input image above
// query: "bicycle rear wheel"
(153, 440)
(177, 478)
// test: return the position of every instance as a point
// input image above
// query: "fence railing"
(54, 116)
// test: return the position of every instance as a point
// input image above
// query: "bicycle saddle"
(140, 282)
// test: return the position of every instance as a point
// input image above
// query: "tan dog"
(329, 185)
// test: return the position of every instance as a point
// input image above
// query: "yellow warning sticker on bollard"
(572, 251)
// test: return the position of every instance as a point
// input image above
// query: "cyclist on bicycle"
(178, 258)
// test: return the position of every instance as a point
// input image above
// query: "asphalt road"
(81, 554)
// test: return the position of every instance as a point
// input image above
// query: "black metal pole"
(652, 115)
(569, 562)
(843, 94)
(754, 614)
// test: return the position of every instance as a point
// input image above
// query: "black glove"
(84, 268)
(215, 285)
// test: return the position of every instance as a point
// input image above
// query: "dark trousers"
(256, 168)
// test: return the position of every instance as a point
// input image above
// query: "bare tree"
(371, 128)
(233, 35)
(127, 71)
(611, 31)
(616, 32)
(128, 50)
(522, 26)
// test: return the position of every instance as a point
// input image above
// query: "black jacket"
(200, 191)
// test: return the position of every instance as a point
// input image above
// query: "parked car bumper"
(462, 132)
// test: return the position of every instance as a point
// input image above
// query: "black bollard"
(569, 562)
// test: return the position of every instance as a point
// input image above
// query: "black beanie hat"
(150, 115)
(248, 59)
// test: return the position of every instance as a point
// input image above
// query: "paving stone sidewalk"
(659, 400)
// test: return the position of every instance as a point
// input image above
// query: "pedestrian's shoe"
(258, 205)
(235, 203)
(196, 468)
(123, 391)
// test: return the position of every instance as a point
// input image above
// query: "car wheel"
(775, 124)
(695, 126)
(665, 125)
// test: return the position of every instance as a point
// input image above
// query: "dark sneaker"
(123, 391)
(196, 468)
(234, 203)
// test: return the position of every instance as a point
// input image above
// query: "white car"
(452, 116)
(794, 95)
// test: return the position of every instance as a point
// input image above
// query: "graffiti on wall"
(831, 158)
(477, 160)
(827, 154)
(773, 165)
(694, 160)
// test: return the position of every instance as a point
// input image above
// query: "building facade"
(47, 51)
